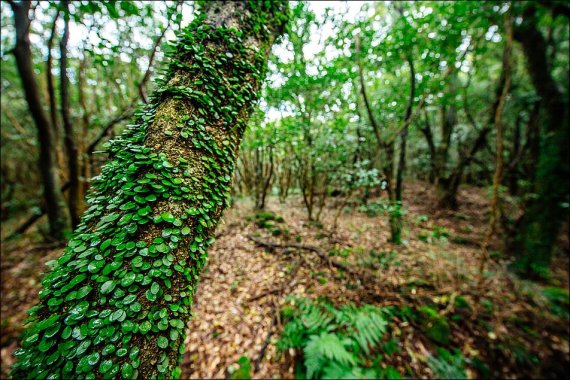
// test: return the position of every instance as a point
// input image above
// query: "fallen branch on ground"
(367, 279)
(311, 248)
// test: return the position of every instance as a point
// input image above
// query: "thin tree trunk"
(404, 135)
(84, 170)
(73, 199)
(116, 303)
(512, 171)
(49, 78)
(426, 130)
(267, 182)
(499, 154)
(396, 219)
(54, 202)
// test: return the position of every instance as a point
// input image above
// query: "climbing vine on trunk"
(115, 303)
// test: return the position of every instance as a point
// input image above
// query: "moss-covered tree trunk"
(117, 301)
(540, 224)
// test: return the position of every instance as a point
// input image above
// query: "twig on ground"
(267, 340)
(366, 279)
(275, 311)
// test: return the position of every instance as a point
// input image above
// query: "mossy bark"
(116, 303)
(545, 213)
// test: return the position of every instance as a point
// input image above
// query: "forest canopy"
(290, 189)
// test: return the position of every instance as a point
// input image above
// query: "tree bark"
(73, 199)
(49, 77)
(545, 213)
(54, 202)
(396, 220)
(494, 209)
(116, 303)
(404, 135)
(426, 130)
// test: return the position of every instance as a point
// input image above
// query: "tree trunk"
(49, 77)
(533, 142)
(426, 130)
(512, 171)
(265, 181)
(397, 218)
(70, 147)
(116, 303)
(545, 213)
(54, 202)
(498, 122)
(85, 123)
(448, 123)
(448, 187)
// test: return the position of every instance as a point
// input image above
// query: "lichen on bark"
(115, 304)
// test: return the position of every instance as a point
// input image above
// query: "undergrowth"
(337, 343)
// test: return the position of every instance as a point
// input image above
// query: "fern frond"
(315, 319)
(314, 362)
(369, 327)
(329, 346)
(293, 336)
(336, 370)
(447, 366)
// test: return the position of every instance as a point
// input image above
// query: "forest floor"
(504, 326)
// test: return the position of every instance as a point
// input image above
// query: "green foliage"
(434, 325)
(421, 219)
(559, 301)
(446, 365)
(440, 233)
(341, 252)
(377, 260)
(461, 302)
(437, 233)
(336, 343)
(243, 370)
(373, 208)
(263, 219)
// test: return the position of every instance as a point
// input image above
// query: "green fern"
(390, 373)
(316, 319)
(446, 365)
(333, 339)
(329, 346)
(325, 348)
(335, 370)
(314, 362)
(370, 326)
(293, 336)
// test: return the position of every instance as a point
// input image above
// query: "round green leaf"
(105, 366)
(93, 359)
(127, 371)
(162, 342)
(128, 279)
(108, 286)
